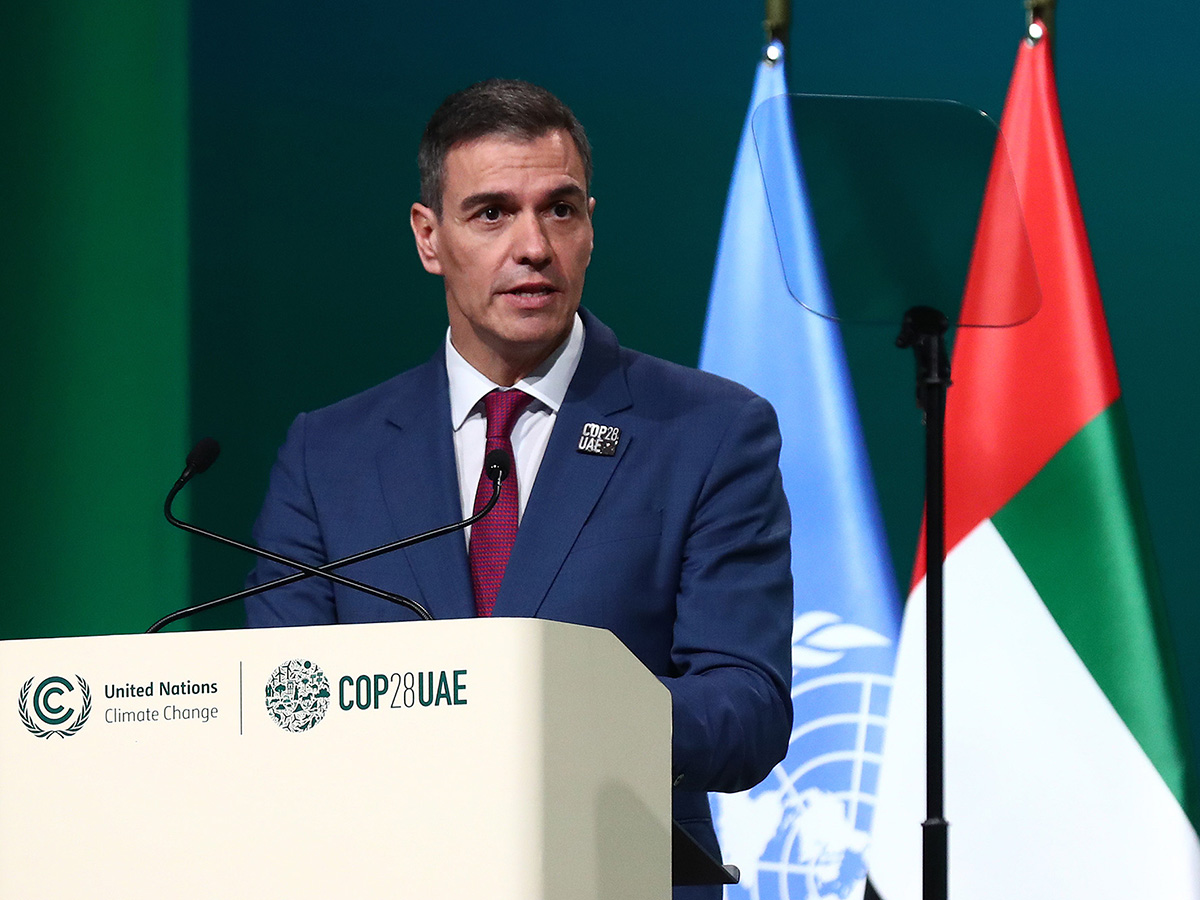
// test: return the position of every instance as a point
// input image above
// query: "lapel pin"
(599, 440)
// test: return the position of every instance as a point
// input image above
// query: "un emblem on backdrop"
(297, 695)
(802, 834)
(58, 705)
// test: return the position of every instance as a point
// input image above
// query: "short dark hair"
(498, 106)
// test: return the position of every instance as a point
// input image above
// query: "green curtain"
(93, 314)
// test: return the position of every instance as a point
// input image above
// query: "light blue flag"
(804, 832)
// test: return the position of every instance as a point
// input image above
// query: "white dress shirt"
(547, 385)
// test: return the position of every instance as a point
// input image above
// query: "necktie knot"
(503, 408)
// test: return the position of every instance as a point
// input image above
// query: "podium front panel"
(502, 758)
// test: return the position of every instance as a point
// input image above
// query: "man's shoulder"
(653, 375)
(658, 382)
(389, 400)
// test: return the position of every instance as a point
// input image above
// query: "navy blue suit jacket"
(678, 544)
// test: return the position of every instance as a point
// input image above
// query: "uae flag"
(1066, 767)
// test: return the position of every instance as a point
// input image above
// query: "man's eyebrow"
(567, 191)
(504, 198)
(486, 198)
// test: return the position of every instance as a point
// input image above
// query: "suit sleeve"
(731, 701)
(289, 526)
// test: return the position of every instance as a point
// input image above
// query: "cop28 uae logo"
(297, 695)
(58, 705)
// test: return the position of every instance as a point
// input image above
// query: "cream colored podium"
(505, 758)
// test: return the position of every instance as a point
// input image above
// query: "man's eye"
(562, 210)
(490, 214)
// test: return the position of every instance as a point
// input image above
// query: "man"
(672, 532)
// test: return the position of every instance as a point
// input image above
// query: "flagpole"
(778, 21)
(1043, 11)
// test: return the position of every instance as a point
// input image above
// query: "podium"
(497, 758)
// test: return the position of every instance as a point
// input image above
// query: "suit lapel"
(569, 483)
(419, 440)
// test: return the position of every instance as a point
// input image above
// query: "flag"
(803, 832)
(1066, 773)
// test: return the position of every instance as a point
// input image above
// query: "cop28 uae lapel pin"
(599, 440)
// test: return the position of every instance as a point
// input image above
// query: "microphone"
(497, 464)
(203, 455)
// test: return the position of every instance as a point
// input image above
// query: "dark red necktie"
(493, 536)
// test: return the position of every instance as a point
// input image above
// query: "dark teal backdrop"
(304, 285)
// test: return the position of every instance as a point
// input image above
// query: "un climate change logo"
(58, 705)
(297, 695)
(803, 833)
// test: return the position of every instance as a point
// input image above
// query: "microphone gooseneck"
(498, 467)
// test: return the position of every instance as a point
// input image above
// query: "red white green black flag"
(1066, 770)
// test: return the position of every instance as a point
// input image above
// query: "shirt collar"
(547, 383)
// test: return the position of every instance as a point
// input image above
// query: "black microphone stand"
(924, 330)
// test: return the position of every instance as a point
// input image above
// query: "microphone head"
(203, 455)
(497, 464)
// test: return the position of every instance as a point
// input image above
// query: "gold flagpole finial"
(778, 21)
(1043, 11)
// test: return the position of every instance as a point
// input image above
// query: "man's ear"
(591, 215)
(425, 227)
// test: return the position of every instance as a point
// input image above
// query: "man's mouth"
(531, 291)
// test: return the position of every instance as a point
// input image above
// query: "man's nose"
(531, 246)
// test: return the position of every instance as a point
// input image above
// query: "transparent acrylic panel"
(892, 191)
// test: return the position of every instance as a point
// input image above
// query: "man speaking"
(645, 497)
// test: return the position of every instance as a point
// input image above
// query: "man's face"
(512, 244)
